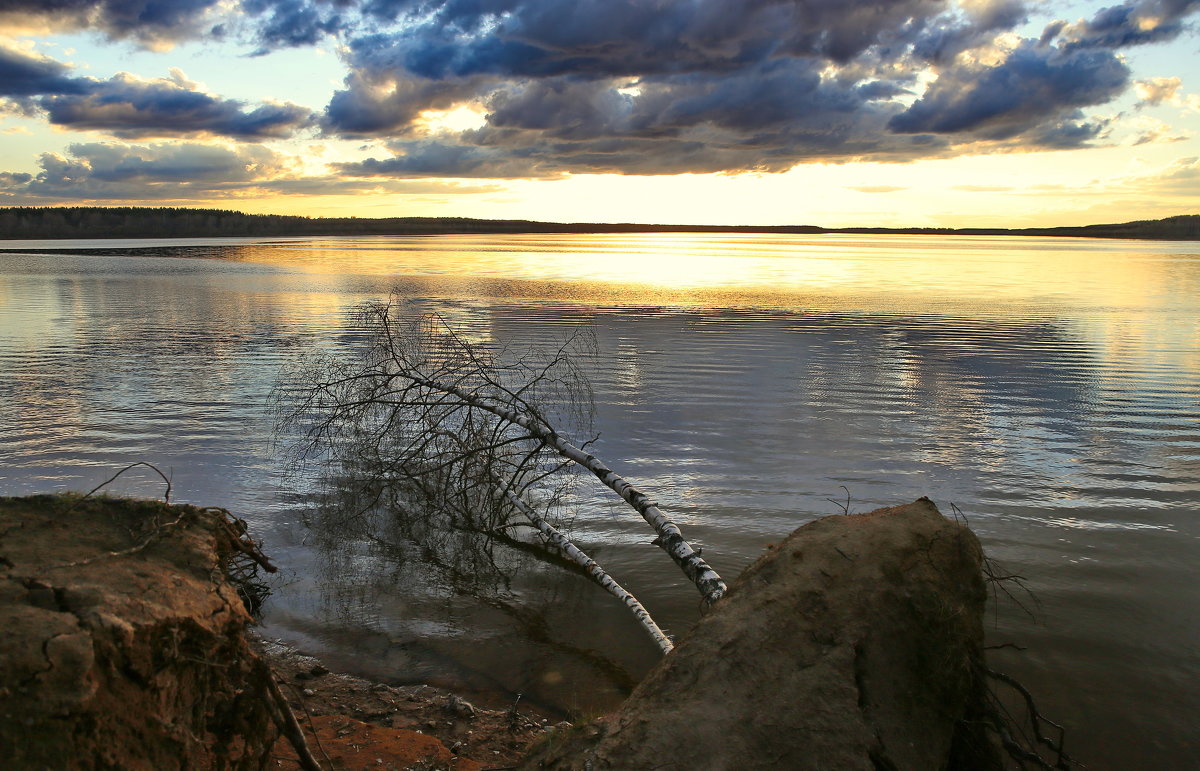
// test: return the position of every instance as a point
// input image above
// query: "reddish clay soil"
(357, 724)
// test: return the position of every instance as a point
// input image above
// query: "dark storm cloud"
(781, 101)
(1066, 134)
(1032, 85)
(633, 86)
(371, 106)
(447, 52)
(272, 23)
(291, 23)
(112, 171)
(637, 145)
(951, 34)
(24, 75)
(128, 107)
(562, 108)
(778, 93)
(613, 38)
(667, 87)
(431, 158)
(1133, 23)
(149, 21)
(673, 125)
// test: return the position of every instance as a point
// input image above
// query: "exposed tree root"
(1026, 740)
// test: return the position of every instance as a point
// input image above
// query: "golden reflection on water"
(977, 270)
(1102, 289)
(1112, 294)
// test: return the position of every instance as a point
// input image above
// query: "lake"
(1049, 389)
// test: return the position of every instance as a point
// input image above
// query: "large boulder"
(853, 644)
(123, 640)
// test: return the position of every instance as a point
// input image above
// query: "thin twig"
(290, 726)
(312, 725)
(113, 478)
(998, 577)
(845, 506)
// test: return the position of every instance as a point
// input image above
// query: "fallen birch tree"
(471, 437)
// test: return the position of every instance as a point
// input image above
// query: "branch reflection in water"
(379, 559)
(439, 454)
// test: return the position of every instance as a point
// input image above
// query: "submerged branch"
(449, 435)
(670, 539)
(595, 571)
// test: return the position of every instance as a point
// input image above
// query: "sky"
(825, 112)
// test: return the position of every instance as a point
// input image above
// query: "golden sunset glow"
(355, 114)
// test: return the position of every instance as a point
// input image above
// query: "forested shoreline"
(170, 222)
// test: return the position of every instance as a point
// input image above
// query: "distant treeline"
(145, 222)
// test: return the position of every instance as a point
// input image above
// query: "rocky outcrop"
(122, 639)
(853, 644)
(125, 644)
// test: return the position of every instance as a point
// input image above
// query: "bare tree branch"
(598, 573)
(465, 435)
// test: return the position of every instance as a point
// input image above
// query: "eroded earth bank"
(126, 642)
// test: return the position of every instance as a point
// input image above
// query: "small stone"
(459, 707)
(318, 671)
(309, 692)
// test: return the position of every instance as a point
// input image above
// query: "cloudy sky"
(830, 112)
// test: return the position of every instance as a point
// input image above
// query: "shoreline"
(52, 223)
(352, 720)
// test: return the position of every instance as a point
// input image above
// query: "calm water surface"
(1050, 389)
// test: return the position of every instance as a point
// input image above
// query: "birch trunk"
(669, 539)
(610, 585)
